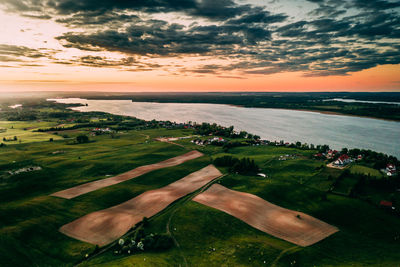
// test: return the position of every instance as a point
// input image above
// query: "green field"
(30, 218)
(25, 132)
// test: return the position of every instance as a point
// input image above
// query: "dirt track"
(267, 217)
(104, 226)
(92, 186)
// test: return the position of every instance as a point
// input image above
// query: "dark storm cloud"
(159, 38)
(97, 19)
(368, 5)
(373, 4)
(212, 9)
(336, 38)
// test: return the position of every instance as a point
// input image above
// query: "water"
(361, 101)
(272, 124)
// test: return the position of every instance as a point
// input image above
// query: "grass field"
(24, 131)
(366, 171)
(30, 218)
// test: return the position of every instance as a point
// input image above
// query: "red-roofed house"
(342, 160)
(385, 203)
(390, 170)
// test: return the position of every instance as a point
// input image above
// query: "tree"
(51, 139)
(139, 234)
(15, 138)
(82, 139)
(242, 134)
(145, 221)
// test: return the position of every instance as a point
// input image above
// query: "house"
(331, 153)
(359, 157)
(318, 155)
(390, 170)
(390, 167)
(104, 130)
(342, 160)
(386, 204)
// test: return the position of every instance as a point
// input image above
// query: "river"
(272, 124)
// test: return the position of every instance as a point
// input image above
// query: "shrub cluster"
(241, 166)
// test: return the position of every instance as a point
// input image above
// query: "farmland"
(204, 236)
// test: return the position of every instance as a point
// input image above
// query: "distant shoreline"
(342, 114)
(242, 106)
(307, 110)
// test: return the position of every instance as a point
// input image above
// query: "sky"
(199, 45)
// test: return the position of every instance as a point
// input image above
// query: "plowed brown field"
(92, 186)
(293, 226)
(104, 226)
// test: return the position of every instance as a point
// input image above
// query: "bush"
(242, 166)
(82, 139)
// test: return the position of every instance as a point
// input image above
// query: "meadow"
(25, 132)
(208, 237)
(30, 218)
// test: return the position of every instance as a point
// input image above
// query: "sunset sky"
(200, 45)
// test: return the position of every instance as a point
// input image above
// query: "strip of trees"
(244, 166)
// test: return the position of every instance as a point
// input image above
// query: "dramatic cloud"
(332, 38)
(23, 55)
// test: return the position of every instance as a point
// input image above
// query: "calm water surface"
(272, 124)
(361, 101)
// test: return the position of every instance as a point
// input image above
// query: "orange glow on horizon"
(381, 78)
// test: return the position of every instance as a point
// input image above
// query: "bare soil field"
(293, 226)
(104, 226)
(330, 165)
(92, 186)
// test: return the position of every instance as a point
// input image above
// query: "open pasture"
(25, 132)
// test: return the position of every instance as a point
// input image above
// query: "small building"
(262, 175)
(331, 153)
(343, 160)
(390, 170)
(386, 204)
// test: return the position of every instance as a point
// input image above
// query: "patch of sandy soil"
(104, 226)
(330, 165)
(293, 226)
(92, 186)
